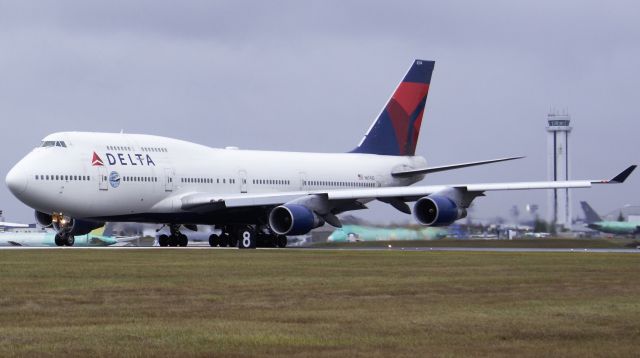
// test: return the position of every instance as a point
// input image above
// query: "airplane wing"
(396, 196)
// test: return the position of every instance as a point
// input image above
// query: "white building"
(558, 168)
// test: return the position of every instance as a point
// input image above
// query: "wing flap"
(212, 202)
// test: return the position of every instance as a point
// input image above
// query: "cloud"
(289, 75)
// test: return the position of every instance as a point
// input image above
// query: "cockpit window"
(52, 143)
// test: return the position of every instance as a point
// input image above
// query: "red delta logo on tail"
(96, 161)
(405, 110)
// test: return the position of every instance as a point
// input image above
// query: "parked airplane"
(595, 222)
(5, 225)
(77, 180)
(48, 238)
(354, 233)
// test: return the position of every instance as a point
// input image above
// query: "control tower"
(558, 168)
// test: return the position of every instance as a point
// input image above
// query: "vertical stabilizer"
(589, 213)
(101, 231)
(396, 130)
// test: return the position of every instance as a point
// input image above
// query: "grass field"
(301, 303)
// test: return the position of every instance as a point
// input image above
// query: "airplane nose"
(16, 180)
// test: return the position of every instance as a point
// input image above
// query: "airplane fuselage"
(616, 227)
(132, 177)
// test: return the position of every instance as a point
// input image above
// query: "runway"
(404, 249)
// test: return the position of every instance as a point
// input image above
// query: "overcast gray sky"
(312, 75)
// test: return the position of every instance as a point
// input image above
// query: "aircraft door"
(242, 176)
(379, 181)
(168, 179)
(303, 180)
(102, 178)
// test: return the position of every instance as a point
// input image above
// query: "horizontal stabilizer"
(421, 171)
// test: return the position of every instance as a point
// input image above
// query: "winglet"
(620, 178)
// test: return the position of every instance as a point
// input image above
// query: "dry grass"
(317, 303)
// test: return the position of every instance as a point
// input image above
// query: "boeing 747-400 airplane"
(76, 181)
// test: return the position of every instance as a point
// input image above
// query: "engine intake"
(437, 210)
(43, 219)
(293, 219)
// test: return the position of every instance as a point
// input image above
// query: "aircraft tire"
(281, 241)
(59, 240)
(233, 241)
(214, 240)
(70, 240)
(247, 238)
(183, 240)
(173, 240)
(224, 240)
(163, 240)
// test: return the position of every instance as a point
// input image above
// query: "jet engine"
(293, 219)
(437, 210)
(43, 219)
(73, 227)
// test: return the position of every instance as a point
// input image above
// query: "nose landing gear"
(64, 239)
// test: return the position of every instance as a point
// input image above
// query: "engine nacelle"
(43, 219)
(293, 219)
(75, 227)
(437, 210)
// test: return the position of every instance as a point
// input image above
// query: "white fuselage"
(139, 175)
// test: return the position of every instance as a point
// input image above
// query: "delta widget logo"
(114, 179)
(96, 161)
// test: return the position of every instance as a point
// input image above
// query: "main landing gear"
(175, 238)
(64, 239)
(247, 237)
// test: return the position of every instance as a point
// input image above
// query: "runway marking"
(407, 249)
